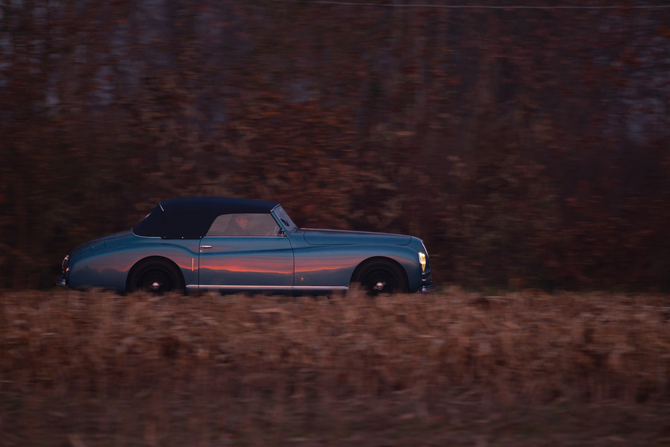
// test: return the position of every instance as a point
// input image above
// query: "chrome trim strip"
(145, 237)
(427, 289)
(229, 287)
(232, 287)
(161, 205)
(274, 236)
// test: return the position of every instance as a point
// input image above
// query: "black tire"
(155, 275)
(381, 276)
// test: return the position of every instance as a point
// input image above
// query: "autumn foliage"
(526, 147)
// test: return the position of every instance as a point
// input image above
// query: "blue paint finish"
(334, 263)
(108, 267)
(246, 261)
(298, 259)
(325, 266)
(341, 237)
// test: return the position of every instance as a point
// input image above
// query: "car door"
(245, 252)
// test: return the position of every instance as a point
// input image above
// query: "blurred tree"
(522, 145)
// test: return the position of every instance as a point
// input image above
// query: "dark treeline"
(527, 147)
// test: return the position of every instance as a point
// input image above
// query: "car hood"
(97, 244)
(339, 237)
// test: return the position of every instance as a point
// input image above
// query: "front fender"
(333, 266)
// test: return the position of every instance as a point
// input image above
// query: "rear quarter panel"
(108, 268)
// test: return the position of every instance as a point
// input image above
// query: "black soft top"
(191, 217)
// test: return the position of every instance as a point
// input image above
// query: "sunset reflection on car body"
(200, 244)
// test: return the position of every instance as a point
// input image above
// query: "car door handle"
(205, 246)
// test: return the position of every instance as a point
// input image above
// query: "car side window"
(244, 225)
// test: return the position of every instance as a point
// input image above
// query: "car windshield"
(285, 220)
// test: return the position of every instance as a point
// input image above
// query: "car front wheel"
(381, 276)
(157, 276)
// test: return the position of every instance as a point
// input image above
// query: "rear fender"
(109, 269)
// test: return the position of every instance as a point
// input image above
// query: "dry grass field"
(522, 369)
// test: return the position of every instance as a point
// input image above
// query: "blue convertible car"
(214, 243)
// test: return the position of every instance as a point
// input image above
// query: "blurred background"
(527, 147)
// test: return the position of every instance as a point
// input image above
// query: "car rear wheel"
(157, 276)
(381, 276)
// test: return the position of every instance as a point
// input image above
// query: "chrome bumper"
(427, 282)
(61, 282)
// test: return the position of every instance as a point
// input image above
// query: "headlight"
(65, 261)
(422, 261)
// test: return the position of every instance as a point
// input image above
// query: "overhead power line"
(405, 5)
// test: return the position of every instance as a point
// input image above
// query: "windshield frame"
(284, 220)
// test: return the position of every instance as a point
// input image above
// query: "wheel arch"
(147, 260)
(365, 263)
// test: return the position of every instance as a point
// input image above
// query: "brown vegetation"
(141, 370)
(525, 146)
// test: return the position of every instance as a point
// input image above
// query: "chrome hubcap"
(156, 285)
(379, 286)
